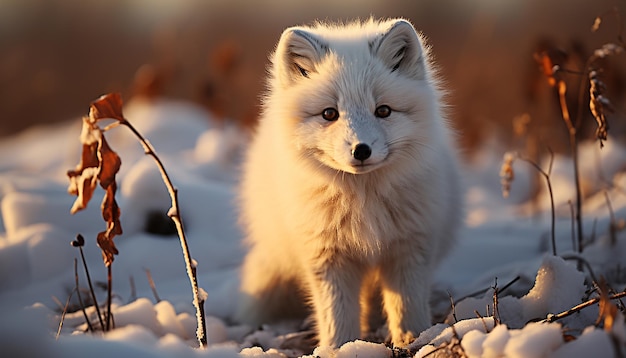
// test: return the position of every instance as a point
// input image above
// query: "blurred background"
(58, 55)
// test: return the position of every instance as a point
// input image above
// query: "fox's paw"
(402, 339)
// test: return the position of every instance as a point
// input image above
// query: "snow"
(503, 240)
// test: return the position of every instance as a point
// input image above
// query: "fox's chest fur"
(352, 171)
(357, 216)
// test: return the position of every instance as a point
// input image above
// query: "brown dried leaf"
(111, 211)
(83, 177)
(107, 106)
(84, 185)
(74, 174)
(607, 310)
(599, 104)
(110, 164)
(107, 246)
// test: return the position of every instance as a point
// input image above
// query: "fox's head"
(355, 98)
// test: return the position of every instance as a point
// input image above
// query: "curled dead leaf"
(84, 186)
(111, 211)
(107, 246)
(110, 164)
(83, 177)
(107, 106)
(607, 310)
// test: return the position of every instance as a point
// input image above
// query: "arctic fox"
(350, 190)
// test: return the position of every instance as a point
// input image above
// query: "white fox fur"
(330, 226)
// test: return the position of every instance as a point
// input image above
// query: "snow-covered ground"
(503, 239)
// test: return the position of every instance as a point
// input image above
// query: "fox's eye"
(330, 114)
(382, 111)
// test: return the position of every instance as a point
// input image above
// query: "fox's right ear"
(401, 49)
(297, 55)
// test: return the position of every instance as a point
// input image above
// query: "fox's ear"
(297, 55)
(400, 48)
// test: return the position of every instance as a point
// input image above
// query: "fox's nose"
(361, 151)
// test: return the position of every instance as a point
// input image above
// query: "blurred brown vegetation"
(57, 55)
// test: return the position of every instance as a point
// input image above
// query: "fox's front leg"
(335, 287)
(406, 292)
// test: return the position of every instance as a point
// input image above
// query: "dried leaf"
(83, 177)
(107, 246)
(107, 106)
(89, 156)
(599, 104)
(111, 211)
(110, 164)
(607, 310)
(85, 184)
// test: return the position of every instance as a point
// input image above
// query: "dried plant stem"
(612, 224)
(133, 289)
(571, 311)
(79, 238)
(67, 304)
(496, 312)
(152, 286)
(573, 140)
(174, 214)
(546, 175)
(80, 299)
(453, 307)
(109, 295)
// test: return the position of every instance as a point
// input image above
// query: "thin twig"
(152, 285)
(174, 214)
(58, 302)
(510, 283)
(80, 300)
(484, 290)
(453, 307)
(546, 175)
(496, 313)
(592, 237)
(571, 311)
(612, 225)
(133, 290)
(482, 319)
(573, 139)
(67, 304)
(573, 225)
(79, 242)
(109, 291)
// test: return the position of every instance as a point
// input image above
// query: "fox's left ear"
(400, 48)
(297, 55)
